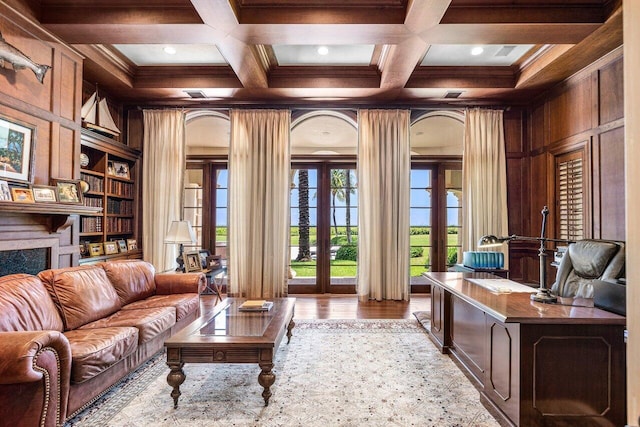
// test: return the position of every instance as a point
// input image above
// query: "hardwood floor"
(326, 306)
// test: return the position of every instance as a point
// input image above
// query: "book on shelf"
(256, 305)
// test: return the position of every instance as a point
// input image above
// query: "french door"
(324, 216)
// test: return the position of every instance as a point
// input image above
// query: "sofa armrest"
(180, 283)
(35, 369)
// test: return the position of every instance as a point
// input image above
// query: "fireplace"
(31, 256)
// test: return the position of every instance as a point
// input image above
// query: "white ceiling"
(185, 54)
(336, 54)
(460, 54)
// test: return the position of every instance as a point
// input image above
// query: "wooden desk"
(535, 364)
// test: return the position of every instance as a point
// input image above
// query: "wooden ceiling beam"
(462, 77)
(135, 33)
(186, 77)
(122, 15)
(324, 77)
(514, 14)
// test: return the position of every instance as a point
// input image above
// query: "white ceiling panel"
(185, 54)
(460, 55)
(336, 54)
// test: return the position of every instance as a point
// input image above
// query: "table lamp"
(180, 233)
(543, 294)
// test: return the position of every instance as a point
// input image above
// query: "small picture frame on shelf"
(132, 245)
(203, 254)
(96, 249)
(110, 248)
(121, 169)
(44, 193)
(84, 248)
(68, 190)
(5, 191)
(22, 195)
(122, 245)
(192, 262)
(214, 262)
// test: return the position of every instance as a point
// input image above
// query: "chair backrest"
(585, 261)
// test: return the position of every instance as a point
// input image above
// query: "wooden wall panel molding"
(53, 110)
(611, 91)
(570, 112)
(609, 178)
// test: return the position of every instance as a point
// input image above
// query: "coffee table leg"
(175, 378)
(289, 328)
(266, 380)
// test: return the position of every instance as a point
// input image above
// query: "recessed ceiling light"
(323, 50)
(477, 51)
(170, 50)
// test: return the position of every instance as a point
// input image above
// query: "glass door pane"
(221, 206)
(453, 188)
(420, 214)
(303, 241)
(343, 234)
(192, 205)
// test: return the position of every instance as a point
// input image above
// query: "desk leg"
(266, 380)
(175, 378)
(289, 328)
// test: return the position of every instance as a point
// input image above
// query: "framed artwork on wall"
(5, 191)
(22, 195)
(16, 151)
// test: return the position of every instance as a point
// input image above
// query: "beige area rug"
(333, 373)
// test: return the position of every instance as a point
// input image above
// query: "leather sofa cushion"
(25, 305)
(183, 304)
(83, 294)
(95, 350)
(133, 280)
(150, 322)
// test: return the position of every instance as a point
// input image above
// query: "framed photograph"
(44, 193)
(214, 262)
(16, 151)
(84, 248)
(22, 195)
(122, 245)
(68, 190)
(96, 249)
(110, 248)
(203, 254)
(132, 245)
(5, 192)
(192, 262)
(121, 170)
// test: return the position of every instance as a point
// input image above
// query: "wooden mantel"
(62, 214)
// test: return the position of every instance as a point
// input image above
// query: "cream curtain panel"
(384, 167)
(484, 178)
(259, 165)
(162, 179)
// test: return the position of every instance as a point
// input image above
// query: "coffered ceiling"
(340, 52)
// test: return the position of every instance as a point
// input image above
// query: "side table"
(215, 279)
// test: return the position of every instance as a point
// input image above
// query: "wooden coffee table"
(227, 335)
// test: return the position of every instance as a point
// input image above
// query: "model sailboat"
(95, 115)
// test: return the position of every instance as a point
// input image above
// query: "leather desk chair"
(585, 261)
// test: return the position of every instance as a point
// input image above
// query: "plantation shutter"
(570, 195)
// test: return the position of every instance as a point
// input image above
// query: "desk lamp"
(180, 233)
(543, 294)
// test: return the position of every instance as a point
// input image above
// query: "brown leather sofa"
(68, 335)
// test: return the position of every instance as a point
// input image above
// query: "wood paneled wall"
(585, 112)
(53, 109)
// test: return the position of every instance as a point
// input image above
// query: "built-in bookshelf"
(111, 170)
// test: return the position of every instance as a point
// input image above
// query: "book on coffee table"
(256, 305)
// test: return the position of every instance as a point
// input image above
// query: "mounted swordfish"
(19, 60)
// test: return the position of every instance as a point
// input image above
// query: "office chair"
(586, 261)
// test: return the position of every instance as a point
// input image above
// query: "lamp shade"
(491, 241)
(180, 232)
